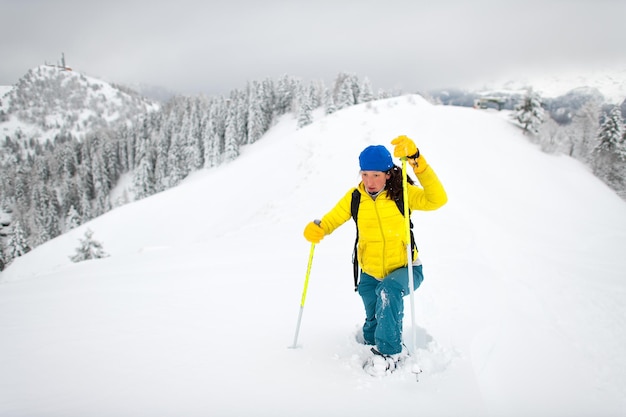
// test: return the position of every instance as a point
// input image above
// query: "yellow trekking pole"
(306, 285)
(409, 257)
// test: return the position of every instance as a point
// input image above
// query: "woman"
(382, 245)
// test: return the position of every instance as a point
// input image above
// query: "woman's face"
(374, 181)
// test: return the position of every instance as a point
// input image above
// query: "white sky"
(213, 46)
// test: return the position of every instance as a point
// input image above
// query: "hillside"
(521, 311)
(49, 101)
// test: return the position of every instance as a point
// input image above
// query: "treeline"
(594, 133)
(580, 124)
(51, 188)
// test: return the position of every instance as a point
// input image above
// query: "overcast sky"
(210, 46)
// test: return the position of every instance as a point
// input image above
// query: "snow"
(521, 312)
(5, 89)
(101, 100)
(608, 80)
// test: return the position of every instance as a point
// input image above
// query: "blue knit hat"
(375, 158)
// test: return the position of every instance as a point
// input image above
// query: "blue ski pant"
(384, 307)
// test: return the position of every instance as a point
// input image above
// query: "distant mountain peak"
(51, 99)
(610, 82)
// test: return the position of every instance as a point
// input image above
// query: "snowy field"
(522, 311)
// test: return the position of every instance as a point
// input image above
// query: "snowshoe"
(380, 364)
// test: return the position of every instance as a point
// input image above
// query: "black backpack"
(354, 210)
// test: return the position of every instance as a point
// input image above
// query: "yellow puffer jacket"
(382, 234)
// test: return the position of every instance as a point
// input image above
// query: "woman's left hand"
(404, 147)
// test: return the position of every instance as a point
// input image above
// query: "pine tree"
(100, 181)
(231, 144)
(178, 169)
(111, 161)
(242, 116)
(609, 156)
(72, 220)
(179, 159)
(235, 127)
(122, 150)
(161, 171)
(285, 92)
(144, 173)
(259, 111)
(305, 116)
(365, 92)
(45, 210)
(200, 109)
(69, 194)
(611, 134)
(22, 190)
(346, 91)
(529, 112)
(214, 133)
(85, 208)
(88, 249)
(329, 103)
(3, 260)
(17, 244)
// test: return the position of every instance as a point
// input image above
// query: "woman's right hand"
(313, 232)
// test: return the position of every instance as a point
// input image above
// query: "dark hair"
(394, 183)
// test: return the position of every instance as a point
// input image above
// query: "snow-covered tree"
(609, 156)
(529, 112)
(3, 260)
(214, 133)
(195, 151)
(45, 213)
(231, 142)
(85, 208)
(17, 244)
(366, 93)
(177, 162)
(305, 109)
(611, 134)
(285, 92)
(259, 112)
(346, 90)
(329, 103)
(236, 130)
(72, 219)
(22, 189)
(69, 194)
(584, 130)
(144, 177)
(88, 249)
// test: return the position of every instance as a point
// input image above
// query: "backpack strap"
(354, 210)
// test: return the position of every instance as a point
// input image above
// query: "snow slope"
(521, 312)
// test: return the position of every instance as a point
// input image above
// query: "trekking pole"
(306, 285)
(409, 256)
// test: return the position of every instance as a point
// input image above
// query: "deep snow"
(521, 312)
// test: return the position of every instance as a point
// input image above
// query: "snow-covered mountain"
(52, 100)
(521, 312)
(610, 82)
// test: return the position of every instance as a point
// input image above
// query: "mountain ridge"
(49, 101)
